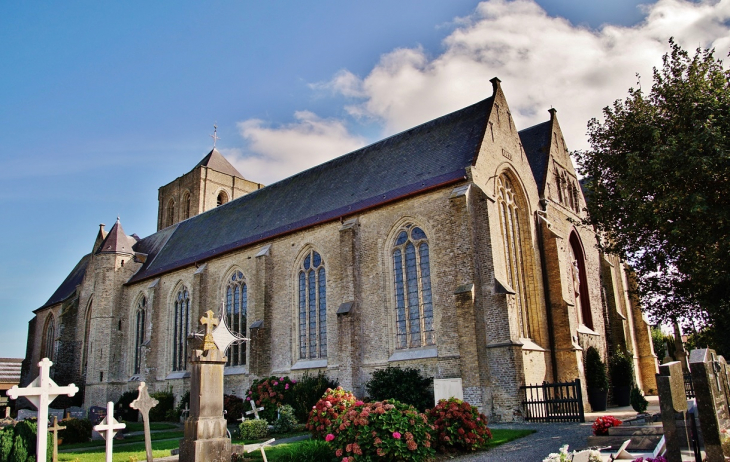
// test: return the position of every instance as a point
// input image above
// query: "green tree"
(657, 179)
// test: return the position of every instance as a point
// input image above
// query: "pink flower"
(345, 459)
(329, 437)
(248, 398)
(276, 383)
(396, 435)
(286, 387)
(281, 378)
(293, 381)
(359, 403)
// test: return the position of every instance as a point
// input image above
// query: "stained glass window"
(510, 218)
(236, 311)
(312, 307)
(139, 333)
(181, 321)
(412, 278)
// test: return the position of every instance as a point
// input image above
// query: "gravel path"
(534, 447)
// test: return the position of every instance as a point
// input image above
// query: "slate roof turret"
(117, 241)
(215, 160)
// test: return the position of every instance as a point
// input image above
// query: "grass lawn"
(159, 449)
(139, 426)
(130, 439)
(501, 436)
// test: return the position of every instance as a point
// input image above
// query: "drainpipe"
(546, 288)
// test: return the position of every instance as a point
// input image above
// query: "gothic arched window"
(49, 338)
(510, 220)
(181, 322)
(579, 282)
(186, 206)
(412, 278)
(236, 310)
(139, 333)
(87, 338)
(222, 198)
(559, 186)
(312, 307)
(170, 212)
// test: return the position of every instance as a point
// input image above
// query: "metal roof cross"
(214, 135)
(41, 392)
(107, 428)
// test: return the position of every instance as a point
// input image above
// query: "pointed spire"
(117, 241)
(496, 84)
(100, 236)
(215, 160)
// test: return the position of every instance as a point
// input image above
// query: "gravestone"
(57, 413)
(55, 428)
(75, 412)
(41, 392)
(143, 404)
(96, 414)
(206, 434)
(107, 428)
(24, 414)
(670, 382)
(710, 379)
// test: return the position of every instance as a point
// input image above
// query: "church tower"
(213, 182)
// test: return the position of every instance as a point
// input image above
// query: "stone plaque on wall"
(447, 388)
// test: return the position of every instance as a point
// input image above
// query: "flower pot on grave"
(597, 399)
(622, 395)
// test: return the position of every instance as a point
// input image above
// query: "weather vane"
(214, 135)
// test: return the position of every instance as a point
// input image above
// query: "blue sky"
(101, 103)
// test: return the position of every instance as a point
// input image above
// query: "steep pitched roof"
(117, 241)
(536, 143)
(68, 286)
(422, 158)
(217, 162)
(10, 370)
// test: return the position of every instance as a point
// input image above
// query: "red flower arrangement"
(459, 425)
(602, 424)
(327, 410)
(269, 393)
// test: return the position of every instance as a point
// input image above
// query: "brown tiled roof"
(10, 370)
(217, 162)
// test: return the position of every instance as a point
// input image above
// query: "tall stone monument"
(206, 438)
(670, 382)
(712, 391)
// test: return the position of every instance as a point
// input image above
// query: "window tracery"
(412, 279)
(236, 311)
(186, 206)
(312, 279)
(181, 322)
(139, 333)
(510, 218)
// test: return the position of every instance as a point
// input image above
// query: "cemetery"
(317, 420)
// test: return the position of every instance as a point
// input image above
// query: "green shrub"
(389, 430)
(233, 405)
(309, 451)
(6, 442)
(459, 426)
(404, 385)
(306, 392)
(638, 402)
(327, 410)
(18, 444)
(122, 406)
(595, 370)
(286, 421)
(253, 429)
(269, 393)
(621, 367)
(77, 431)
(166, 403)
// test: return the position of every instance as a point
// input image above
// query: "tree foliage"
(658, 177)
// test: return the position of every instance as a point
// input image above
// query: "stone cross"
(41, 392)
(254, 410)
(55, 428)
(107, 428)
(7, 412)
(143, 404)
(186, 411)
(209, 321)
(260, 446)
(242, 419)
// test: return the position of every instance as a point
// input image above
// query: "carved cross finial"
(215, 134)
(209, 321)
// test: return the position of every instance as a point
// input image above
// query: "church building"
(453, 247)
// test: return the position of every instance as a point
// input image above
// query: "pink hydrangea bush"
(459, 426)
(269, 393)
(387, 430)
(327, 410)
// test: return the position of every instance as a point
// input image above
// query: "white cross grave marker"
(108, 427)
(254, 410)
(41, 392)
(252, 447)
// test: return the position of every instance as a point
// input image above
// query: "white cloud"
(279, 152)
(543, 62)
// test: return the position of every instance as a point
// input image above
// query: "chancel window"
(510, 219)
(236, 309)
(87, 338)
(412, 278)
(312, 280)
(139, 333)
(180, 328)
(579, 282)
(48, 338)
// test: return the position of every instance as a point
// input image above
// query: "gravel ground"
(534, 447)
